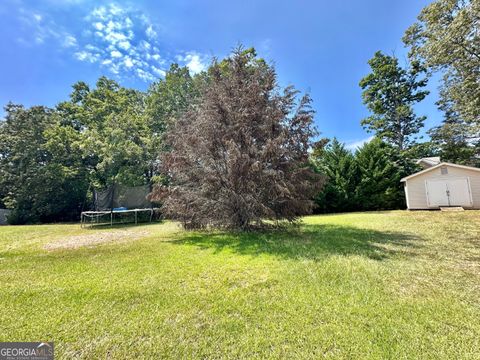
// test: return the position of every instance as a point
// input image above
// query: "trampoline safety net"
(118, 196)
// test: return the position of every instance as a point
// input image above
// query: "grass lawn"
(386, 285)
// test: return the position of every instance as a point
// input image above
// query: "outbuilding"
(442, 184)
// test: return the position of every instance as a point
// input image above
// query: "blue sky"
(319, 46)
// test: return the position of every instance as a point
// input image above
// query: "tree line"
(227, 147)
(230, 148)
(52, 158)
(445, 40)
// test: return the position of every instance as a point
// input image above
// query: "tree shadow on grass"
(312, 242)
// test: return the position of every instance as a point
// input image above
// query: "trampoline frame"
(94, 216)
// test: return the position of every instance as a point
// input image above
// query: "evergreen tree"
(339, 167)
(390, 93)
(240, 155)
(381, 169)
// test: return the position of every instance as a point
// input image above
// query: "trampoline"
(129, 204)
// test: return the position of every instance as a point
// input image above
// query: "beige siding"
(415, 187)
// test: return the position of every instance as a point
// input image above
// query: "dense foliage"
(368, 179)
(108, 125)
(40, 174)
(390, 92)
(381, 169)
(455, 138)
(51, 159)
(239, 156)
(342, 174)
(446, 38)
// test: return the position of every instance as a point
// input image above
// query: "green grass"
(389, 285)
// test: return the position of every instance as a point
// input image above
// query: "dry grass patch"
(95, 239)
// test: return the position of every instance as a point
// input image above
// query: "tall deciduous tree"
(390, 92)
(39, 177)
(447, 37)
(240, 155)
(168, 98)
(114, 133)
(454, 137)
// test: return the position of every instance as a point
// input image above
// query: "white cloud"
(41, 28)
(121, 37)
(145, 44)
(125, 45)
(355, 144)
(115, 10)
(99, 13)
(81, 55)
(117, 37)
(115, 54)
(144, 75)
(128, 62)
(86, 56)
(158, 71)
(194, 61)
(151, 34)
(69, 41)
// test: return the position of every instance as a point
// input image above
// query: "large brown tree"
(239, 156)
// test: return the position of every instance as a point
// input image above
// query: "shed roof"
(437, 166)
(429, 161)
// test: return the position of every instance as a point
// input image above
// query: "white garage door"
(453, 192)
